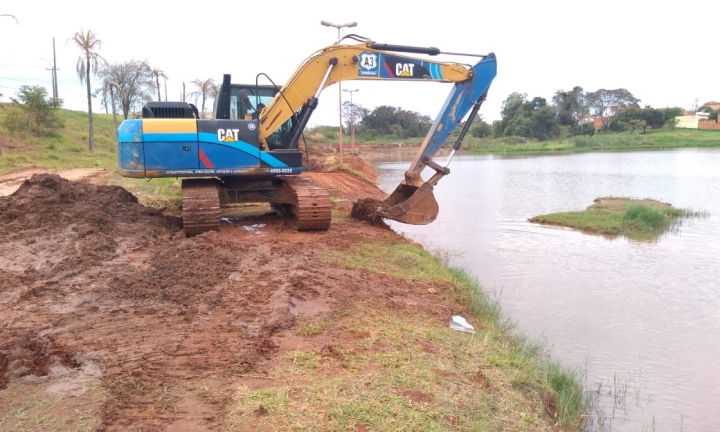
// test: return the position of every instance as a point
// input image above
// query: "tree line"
(574, 112)
(123, 87)
(570, 112)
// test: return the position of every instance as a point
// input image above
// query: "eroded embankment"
(111, 318)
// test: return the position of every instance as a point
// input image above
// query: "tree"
(13, 17)
(395, 121)
(511, 108)
(605, 103)
(38, 112)
(132, 81)
(204, 90)
(637, 117)
(571, 106)
(108, 91)
(653, 118)
(481, 130)
(671, 113)
(157, 74)
(87, 63)
(527, 118)
(354, 113)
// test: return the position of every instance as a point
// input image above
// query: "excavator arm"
(412, 201)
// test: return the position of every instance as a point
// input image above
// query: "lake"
(644, 316)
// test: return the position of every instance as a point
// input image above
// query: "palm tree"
(204, 90)
(157, 74)
(13, 17)
(87, 43)
(165, 84)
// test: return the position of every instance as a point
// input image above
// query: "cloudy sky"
(666, 55)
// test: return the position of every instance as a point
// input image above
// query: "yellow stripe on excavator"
(307, 79)
(165, 125)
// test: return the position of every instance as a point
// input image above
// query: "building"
(691, 121)
(715, 106)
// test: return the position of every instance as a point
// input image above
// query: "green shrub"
(645, 216)
(33, 112)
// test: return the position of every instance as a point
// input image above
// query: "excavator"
(249, 151)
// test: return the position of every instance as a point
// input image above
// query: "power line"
(20, 79)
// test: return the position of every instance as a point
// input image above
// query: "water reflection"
(646, 313)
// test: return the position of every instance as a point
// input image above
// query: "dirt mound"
(47, 201)
(366, 210)
(58, 228)
(30, 354)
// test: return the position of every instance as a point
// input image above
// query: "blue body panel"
(131, 156)
(226, 154)
(191, 155)
(130, 131)
(171, 154)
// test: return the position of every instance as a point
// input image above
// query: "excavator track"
(312, 207)
(200, 205)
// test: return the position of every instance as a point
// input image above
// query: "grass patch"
(68, 146)
(28, 407)
(622, 216)
(346, 167)
(159, 193)
(407, 370)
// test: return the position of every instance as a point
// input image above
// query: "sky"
(665, 56)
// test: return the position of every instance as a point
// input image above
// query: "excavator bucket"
(411, 205)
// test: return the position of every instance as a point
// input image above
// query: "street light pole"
(338, 27)
(352, 121)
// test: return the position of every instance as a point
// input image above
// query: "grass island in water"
(621, 216)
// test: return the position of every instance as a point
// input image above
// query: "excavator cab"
(245, 102)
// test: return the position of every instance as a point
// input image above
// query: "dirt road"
(111, 318)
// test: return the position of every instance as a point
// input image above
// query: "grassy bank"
(621, 216)
(65, 148)
(653, 139)
(405, 369)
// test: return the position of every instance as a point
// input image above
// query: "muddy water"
(643, 315)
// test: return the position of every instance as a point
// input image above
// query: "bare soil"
(618, 204)
(111, 317)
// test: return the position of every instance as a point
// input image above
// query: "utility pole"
(352, 121)
(338, 27)
(54, 70)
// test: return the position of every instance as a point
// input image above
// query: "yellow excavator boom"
(413, 201)
(354, 62)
